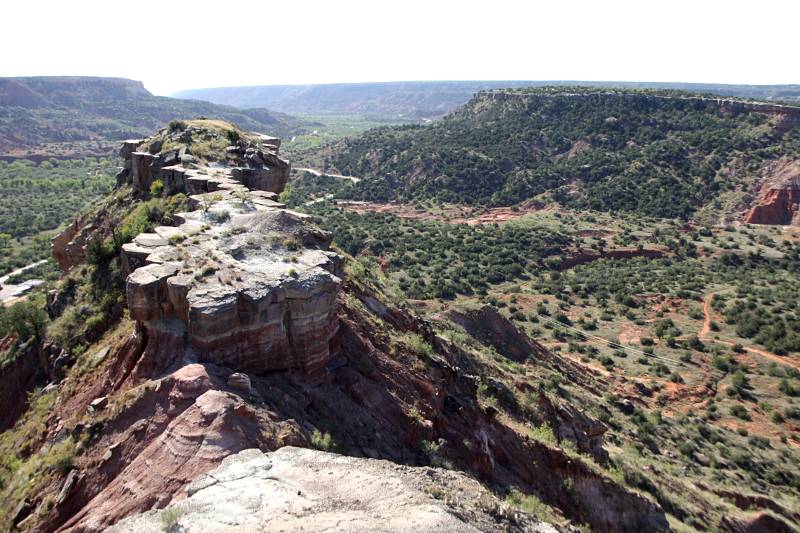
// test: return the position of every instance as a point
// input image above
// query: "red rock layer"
(778, 206)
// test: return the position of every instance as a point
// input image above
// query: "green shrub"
(170, 519)
(740, 411)
(26, 319)
(322, 441)
(157, 188)
(233, 136)
(527, 503)
(418, 345)
(177, 125)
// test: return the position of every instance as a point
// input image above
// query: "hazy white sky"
(172, 45)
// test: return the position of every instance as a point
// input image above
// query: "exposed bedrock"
(255, 293)
(254, 163)
(296, 489)
(245, 283)
(779, 196)
(175, 428)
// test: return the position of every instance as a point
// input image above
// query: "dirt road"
(705, 332)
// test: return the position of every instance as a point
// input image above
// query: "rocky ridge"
(245, 333)
(240, 280)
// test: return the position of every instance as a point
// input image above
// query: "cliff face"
(779, 196)
(235, 292)
(241, 281)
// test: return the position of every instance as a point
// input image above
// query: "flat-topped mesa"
(242, 281)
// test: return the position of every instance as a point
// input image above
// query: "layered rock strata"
(240, 281)
(249, 285)
(779, 202)
(251, 161)
(254, 163)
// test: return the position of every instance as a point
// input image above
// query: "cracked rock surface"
(240, 281)
(297, 489)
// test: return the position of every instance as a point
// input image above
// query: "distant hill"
(419, 99)
(71, 114)
(661, 153)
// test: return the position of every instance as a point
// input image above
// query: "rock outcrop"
(255, 292)
(193, 423)
(178, 158)
(779, 195)
(296, 489)
(572, 425)
(241, 281)
(68, 250)
(181, 160)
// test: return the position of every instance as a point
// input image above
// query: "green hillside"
(71, 114)
(417, 99)
(662, 153)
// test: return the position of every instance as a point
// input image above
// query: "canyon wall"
(778, 196)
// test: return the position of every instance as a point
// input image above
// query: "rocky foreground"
(297, 489)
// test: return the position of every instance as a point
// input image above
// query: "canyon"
(244, 331)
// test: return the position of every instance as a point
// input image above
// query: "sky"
(173, 45)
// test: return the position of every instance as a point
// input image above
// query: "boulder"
(99, 404)
(240, 382)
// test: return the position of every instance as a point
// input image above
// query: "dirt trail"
(317, 173)
(707, 315)
(706, 331)
(450, 214)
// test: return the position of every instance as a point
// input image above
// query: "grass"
(530, 503)
(170, 518)
(418, 346)
(20, 476)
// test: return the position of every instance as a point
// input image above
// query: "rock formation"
(177, 158)
(255, 292)
(296, 489)
(241, 281)
(779, 195)
(180, 159)
(68, 250)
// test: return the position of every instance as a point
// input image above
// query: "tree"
(26, 319)
(5, 240)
